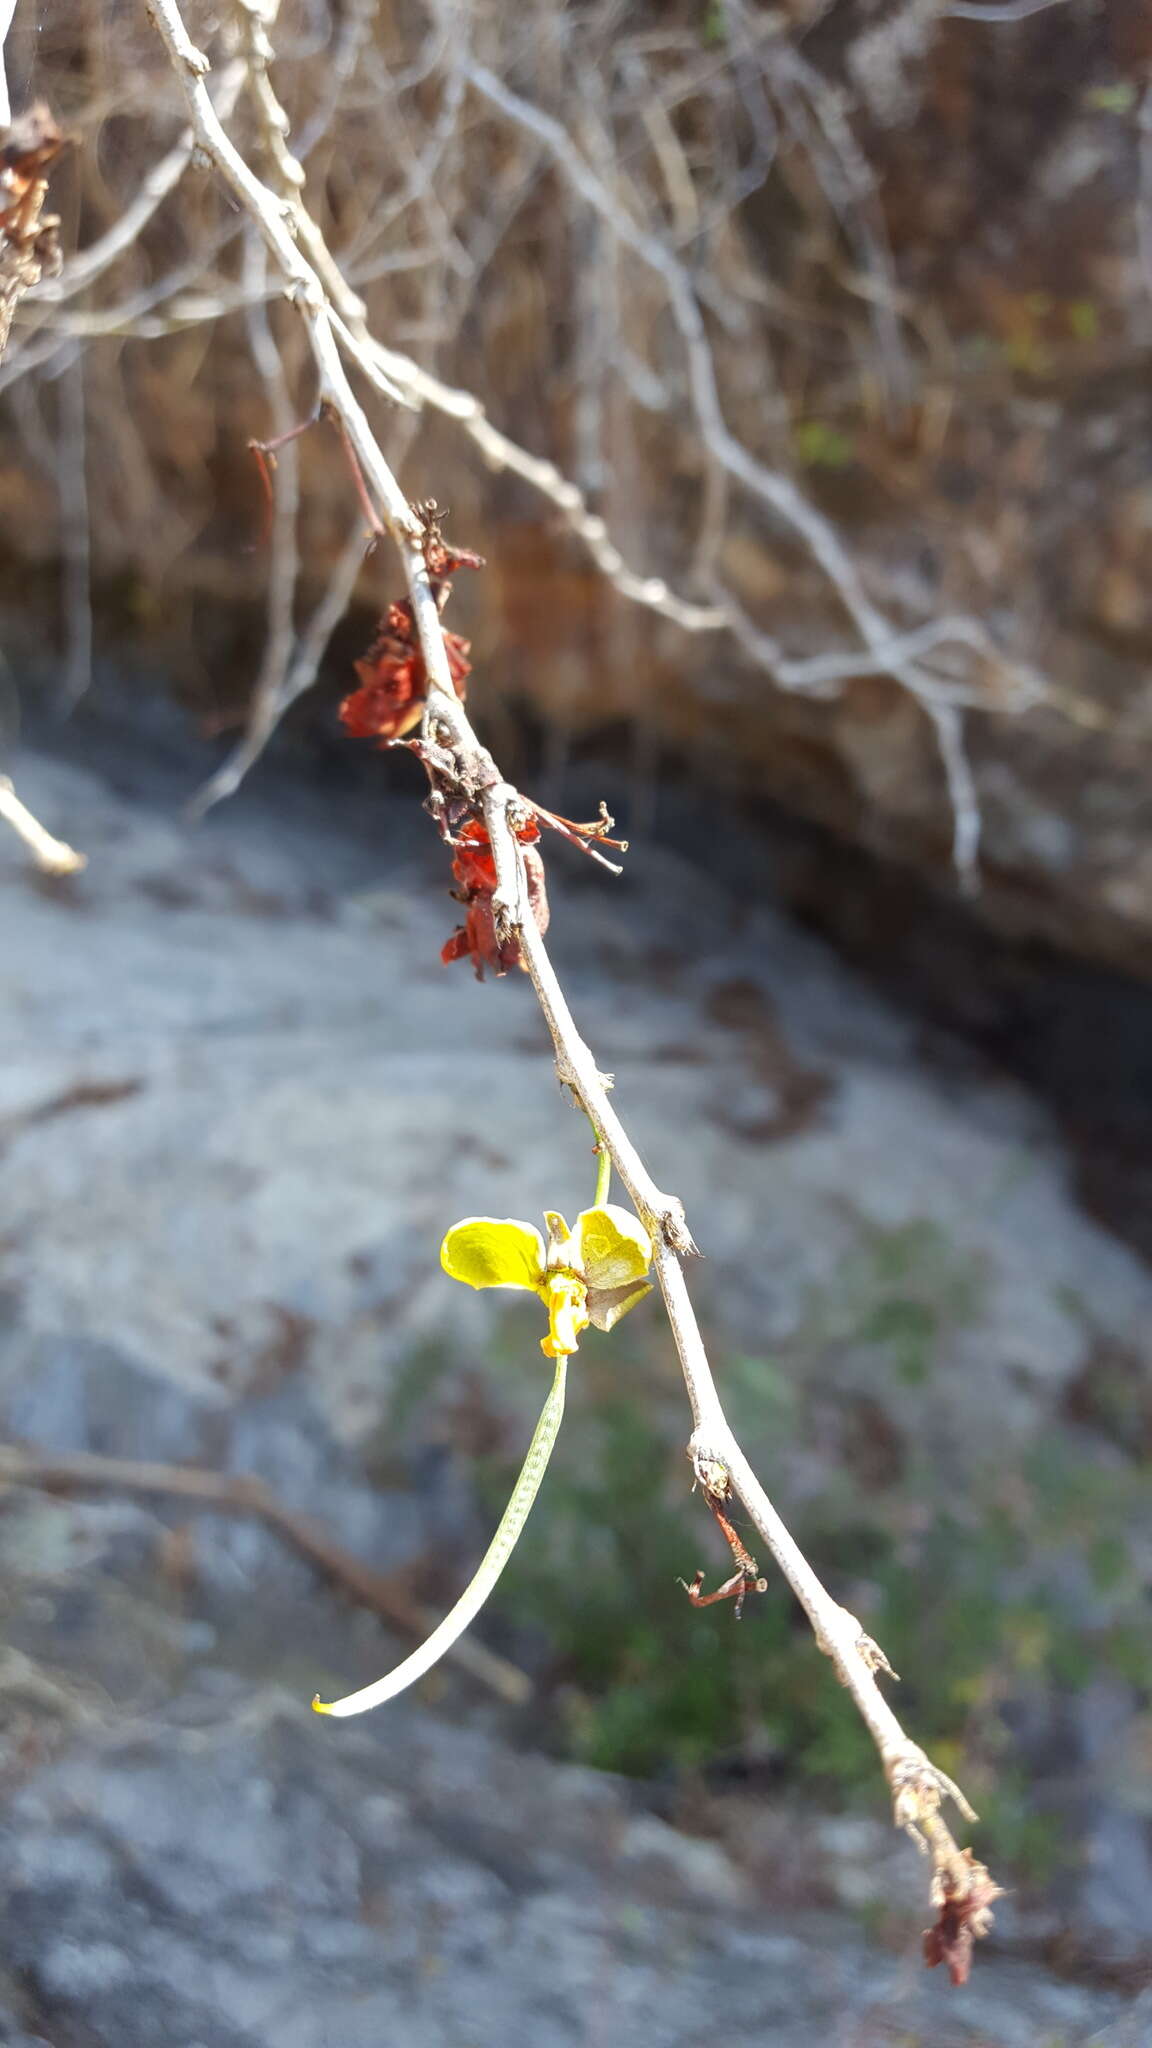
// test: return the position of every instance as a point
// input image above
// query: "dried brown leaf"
(964, 1893)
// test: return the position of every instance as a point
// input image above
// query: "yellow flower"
(593, 1274)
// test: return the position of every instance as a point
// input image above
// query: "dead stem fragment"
(29, 245)
(965, 1894)
(745, 1579)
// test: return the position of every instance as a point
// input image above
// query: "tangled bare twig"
(660, 219)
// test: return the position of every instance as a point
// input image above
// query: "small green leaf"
(489, 1251)
(1112, 99)
(1084, 319)
(822, 446)
(615, 1248)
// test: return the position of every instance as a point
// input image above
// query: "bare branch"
(500, 452)
(71, 468)
(269, 705)
(777, 492)
(269, 694)
(154, 188)
(917, 1786)
(340, 64)
(817, 112)
(949, 728)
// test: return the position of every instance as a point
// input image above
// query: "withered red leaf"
(393, 678)
(966, 1894)
(474, 868)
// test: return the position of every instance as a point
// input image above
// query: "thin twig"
(500, 452)
(265, 712)
(71, 467)
(269, 690)
(817, 112)
(770, 487)
(397, 375)
(154, 187)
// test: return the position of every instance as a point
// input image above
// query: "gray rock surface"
(243, 1100)
(251, 1877)
(1132, 2030)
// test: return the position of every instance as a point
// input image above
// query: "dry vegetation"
(656, 229)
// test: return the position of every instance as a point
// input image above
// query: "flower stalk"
(487, 1573)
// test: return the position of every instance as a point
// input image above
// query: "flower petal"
(562, 1251)
(614, 1246)
(606, 1305)
(567, 1302)
(490, 1251)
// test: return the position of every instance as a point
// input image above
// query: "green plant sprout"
(593, 1274)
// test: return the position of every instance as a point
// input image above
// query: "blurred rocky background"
(835, 319)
